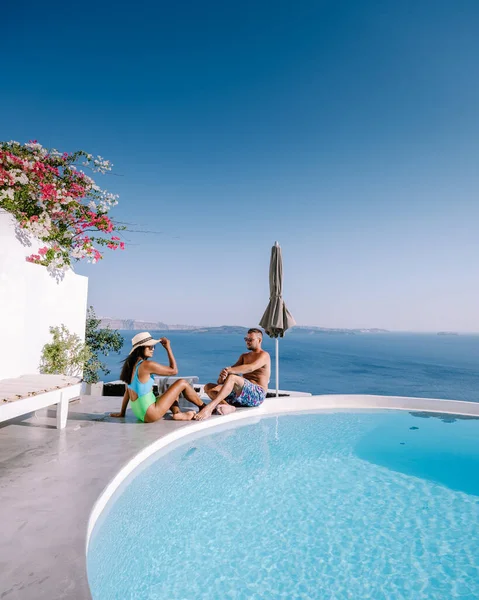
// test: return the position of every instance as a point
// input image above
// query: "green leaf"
(99, 341)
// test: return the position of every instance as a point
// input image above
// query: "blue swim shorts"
(251, 395)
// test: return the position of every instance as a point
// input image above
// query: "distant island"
(447, 333)
(136, 325)
(335, 330)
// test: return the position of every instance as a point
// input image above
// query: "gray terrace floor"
(49, 482)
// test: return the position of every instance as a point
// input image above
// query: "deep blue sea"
(391, 364)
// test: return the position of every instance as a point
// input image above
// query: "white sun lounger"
(28, 393)
(165, 381)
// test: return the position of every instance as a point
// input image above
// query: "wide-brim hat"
(142, 339)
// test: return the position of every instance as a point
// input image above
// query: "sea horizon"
(390, 364)
(160, 326)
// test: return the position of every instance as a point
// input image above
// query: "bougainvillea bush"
(52, 199)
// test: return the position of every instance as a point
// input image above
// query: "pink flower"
(77, 190)
(53, 170)
(48, 191)
(66, 199)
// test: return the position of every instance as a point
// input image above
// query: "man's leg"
(232, 383)
(224, 408)
(212, 390)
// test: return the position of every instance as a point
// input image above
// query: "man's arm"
(225, 371)
(250, 367)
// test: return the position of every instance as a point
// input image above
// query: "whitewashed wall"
(30, 302)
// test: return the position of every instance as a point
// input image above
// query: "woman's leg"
(175, 408)
(158, 410)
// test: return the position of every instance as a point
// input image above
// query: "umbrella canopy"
(277, 318)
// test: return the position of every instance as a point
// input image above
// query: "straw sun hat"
(142, 339)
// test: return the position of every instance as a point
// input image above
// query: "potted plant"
(66, 354)
(99, 341)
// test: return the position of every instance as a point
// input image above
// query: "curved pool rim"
(275, 407)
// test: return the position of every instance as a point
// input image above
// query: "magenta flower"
(57, 203)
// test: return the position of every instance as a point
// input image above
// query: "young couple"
(243, 384)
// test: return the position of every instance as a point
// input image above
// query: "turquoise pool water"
(381, 505)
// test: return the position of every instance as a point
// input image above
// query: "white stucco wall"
(30, 302)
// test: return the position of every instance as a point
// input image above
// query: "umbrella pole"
(277, 367)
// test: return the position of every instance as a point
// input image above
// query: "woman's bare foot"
(225, 409)
(184, 416)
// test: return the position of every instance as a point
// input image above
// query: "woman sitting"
(137, 373)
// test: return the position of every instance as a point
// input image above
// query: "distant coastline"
(136, 325)
(447, 333)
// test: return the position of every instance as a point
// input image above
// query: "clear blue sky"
(347, 131)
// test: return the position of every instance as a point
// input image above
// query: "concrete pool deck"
(51, 480)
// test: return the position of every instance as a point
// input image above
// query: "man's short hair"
(255, 330)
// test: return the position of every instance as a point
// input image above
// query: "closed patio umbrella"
(277, 318)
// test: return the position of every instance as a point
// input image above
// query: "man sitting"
(243, 384)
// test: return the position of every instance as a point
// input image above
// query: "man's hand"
(116, 415)
(223, 375)
(165, 342)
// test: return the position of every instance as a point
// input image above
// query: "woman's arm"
(126, 398)
(155, 368)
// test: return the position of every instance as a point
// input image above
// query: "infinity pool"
(381, 505)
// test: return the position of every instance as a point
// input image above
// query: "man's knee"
(236, 382)
(209, 386)
(234, 378)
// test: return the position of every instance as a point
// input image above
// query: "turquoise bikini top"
(138, 387)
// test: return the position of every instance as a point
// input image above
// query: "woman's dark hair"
(129, 363)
